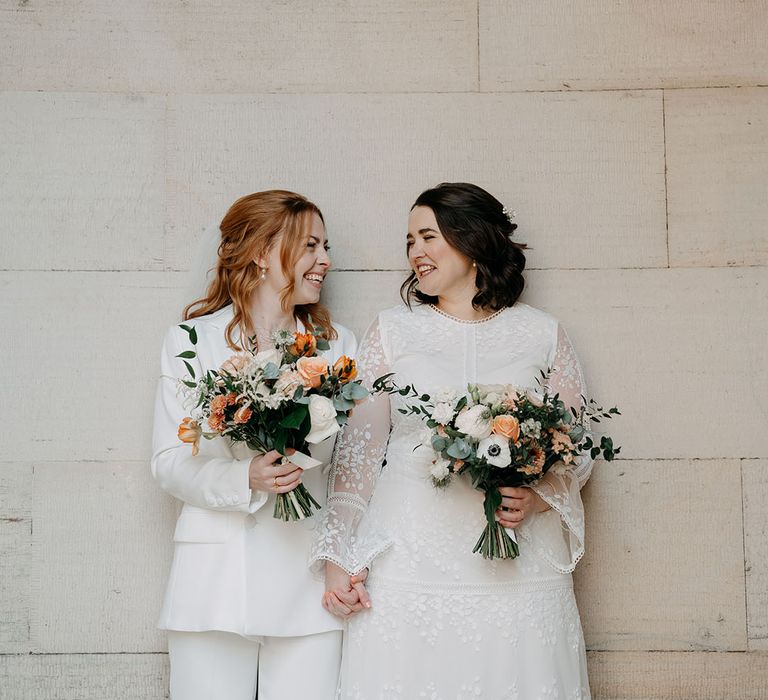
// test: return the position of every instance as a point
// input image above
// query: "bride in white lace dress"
(444, 623)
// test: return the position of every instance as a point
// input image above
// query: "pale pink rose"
(234, 364)
(288, 382)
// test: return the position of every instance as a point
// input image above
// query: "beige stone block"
(664, 568)
(103, 546)
(16, 556)
(84, 677)
(272, 46)
(717, 160)
(83, 351)
(678, 675)
(755, 487)
(585, 171)
(680, 352)
(83, 180)
(603, 44)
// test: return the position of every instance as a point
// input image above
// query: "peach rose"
(234, 364)
(304, 345)
(345, 369)
(190, 432)
(242, 414)
(312, 370)
(506, 426)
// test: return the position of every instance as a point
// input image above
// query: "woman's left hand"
(517, 503)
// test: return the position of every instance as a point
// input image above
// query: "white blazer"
(235, 567)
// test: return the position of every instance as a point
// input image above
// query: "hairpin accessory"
(510, 214)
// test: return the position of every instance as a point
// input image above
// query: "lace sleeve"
(355, 468)
(558, 534)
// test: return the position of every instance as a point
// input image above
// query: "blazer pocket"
(204, 527)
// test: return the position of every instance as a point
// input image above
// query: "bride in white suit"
(241, 608)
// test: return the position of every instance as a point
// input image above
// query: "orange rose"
(345, 369)
(304, 345)
(242, 414)
(190, 432)
(312, 370)
(506, 426)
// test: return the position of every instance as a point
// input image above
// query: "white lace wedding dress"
(447, 624)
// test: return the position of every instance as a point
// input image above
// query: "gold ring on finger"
(276, 485)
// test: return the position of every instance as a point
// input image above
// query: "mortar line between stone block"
(166, 197)
(477, 29)
(744, 554)
(666, 187)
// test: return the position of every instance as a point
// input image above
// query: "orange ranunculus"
(216, 421)
(345, 369)
(312, 370)
(304, 345)
(190, 432)
(506, 426)
(242, 414)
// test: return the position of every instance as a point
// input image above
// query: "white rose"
(475, 422)
(443, 413)
(322, 416)
(263, 358)
(440, 468)
(495, 450)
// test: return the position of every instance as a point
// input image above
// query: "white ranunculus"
(425, 437)
(495, 450)
(446, 395)
(475, 422)
(440, 468)
(443, 413)
(322, 416)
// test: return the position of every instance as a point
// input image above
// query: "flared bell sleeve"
(355, 468)
(557, 535)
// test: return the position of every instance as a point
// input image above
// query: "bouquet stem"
(495, 543)
(295, 505)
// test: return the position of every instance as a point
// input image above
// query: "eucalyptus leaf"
(271, 371)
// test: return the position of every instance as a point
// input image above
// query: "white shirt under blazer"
(235, 567)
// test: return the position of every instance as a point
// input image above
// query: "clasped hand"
(344, 595)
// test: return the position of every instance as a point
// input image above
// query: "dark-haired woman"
(241, 608)
(439, 621)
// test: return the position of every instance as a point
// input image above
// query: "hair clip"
(509, 214)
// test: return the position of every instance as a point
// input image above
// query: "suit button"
(219, 501)
(210, 500)
(234, 500)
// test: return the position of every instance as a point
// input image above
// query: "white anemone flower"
(495, 450)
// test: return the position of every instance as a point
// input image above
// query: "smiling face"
(308, 271)
(442, 270)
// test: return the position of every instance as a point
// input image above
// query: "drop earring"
(263, 274)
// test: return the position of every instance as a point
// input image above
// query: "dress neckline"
(468, 322)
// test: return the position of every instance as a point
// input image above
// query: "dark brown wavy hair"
(249, 229)
(473, 222)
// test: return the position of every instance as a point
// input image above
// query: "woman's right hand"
(269, 473)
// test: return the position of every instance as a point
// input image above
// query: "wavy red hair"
(249, 229)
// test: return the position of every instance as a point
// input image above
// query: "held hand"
(516, 504)
(272, 473)
(342, 596)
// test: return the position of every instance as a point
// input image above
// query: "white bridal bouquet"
(500, 435)
(281, 398)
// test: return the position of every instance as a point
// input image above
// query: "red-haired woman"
(241, 609)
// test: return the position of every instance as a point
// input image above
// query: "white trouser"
(222, 665)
